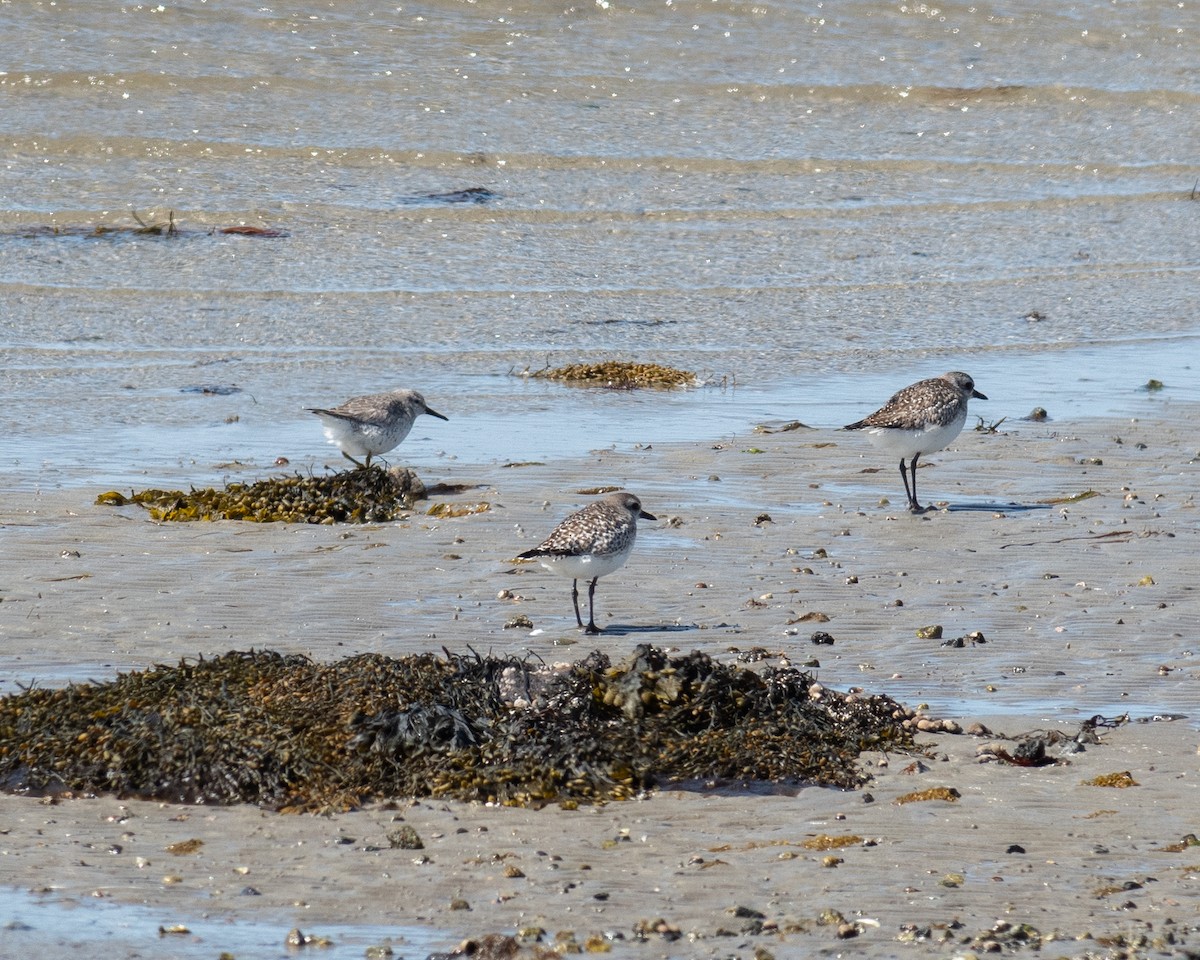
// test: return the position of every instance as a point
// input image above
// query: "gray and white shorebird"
(921, 418)
(590, 544)
(373, 424)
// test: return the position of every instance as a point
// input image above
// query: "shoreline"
(170, 435)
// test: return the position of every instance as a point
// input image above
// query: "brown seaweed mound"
(618, 375)
(373, 495)
(282, 731)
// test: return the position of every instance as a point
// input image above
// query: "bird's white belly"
(906, 443)
(586, 566)
(359, 440)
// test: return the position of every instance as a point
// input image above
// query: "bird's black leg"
(904, 476)
(912, 497)
(591, 627)
(575, 600)
(357, 463)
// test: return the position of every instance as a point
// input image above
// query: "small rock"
(406, 838)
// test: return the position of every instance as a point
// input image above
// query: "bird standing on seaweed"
(373, 424)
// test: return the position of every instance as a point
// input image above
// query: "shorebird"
(921, 418)
(590, 544)
(373, 424)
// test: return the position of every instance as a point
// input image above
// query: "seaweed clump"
(354, 496)
(285, 732)
(617, 375)
(145, 228)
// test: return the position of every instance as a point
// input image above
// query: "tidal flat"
(1066, 557)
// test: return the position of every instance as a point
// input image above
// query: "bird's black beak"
(434, 413)
(975, 393)
(647, 516)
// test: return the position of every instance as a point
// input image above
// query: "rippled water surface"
(792, 197)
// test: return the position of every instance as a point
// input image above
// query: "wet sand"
(1087, 607)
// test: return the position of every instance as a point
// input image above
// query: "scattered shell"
(296, 938)
(644, 929)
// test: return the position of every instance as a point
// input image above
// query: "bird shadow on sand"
(624, 629)
(992, 506)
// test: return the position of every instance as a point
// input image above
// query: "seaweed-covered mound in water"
(283, 731)
(617, 375)
(372, 495)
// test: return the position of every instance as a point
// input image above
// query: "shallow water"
(31, 922)
(816, 204)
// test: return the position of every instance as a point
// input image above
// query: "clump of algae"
(372, 495)
(281, 731)
(1119, 780)
(949, 794)
(618, 375)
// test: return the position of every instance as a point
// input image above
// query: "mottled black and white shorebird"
(921, 418)
(590, 544)
(374, 424)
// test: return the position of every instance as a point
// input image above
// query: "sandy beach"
(1086, 606)
(215, 217)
